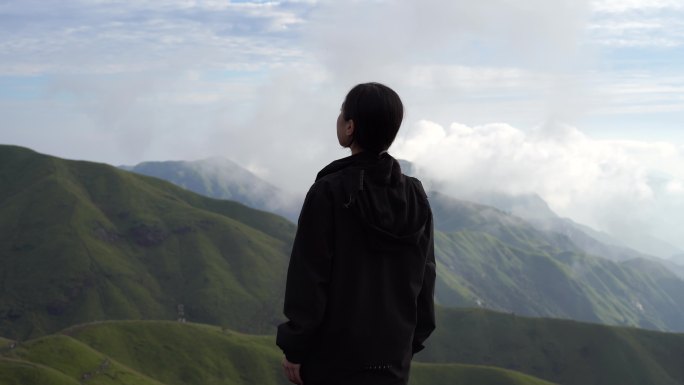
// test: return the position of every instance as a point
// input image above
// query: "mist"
(624, 188)
(513, 96)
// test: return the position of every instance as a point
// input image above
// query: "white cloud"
(638, 92)
(617, 186)
(473, 78)
(115, 36)
(675, 187)
(372, 37)
(637, 24)
(618, 6)
(261, 83)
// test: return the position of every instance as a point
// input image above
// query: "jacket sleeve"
(426, 303)
(308, 275)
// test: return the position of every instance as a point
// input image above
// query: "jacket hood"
(389, 204)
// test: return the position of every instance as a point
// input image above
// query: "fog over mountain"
(222, 178)
(575, 100)
(628, 189)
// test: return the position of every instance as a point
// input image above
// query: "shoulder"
(331, 183)
(418, 187)
(322, 190)
(325, 184)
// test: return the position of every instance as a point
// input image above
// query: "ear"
(349, 128)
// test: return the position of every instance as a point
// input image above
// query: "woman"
(359, 293)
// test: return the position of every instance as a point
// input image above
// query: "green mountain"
(221, 178)
(470, 346)
(164, 352)
(535, 211)
(489, 258)
(81, 241)
(58, 359)
(562, 351)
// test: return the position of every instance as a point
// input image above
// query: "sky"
(579, 101)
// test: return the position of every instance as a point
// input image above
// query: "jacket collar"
(363, 158)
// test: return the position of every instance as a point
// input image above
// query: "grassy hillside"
(158, 352)
(490, 259)
(16, 372)
(469, 347)
(478, 269)
(454, 215)
(459, 374)
(566, 352)
(58, 358)
(82, 241)
(496, 260)
(176, 353)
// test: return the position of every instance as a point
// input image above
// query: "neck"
(355, 149)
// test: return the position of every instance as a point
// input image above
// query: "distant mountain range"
(501, 258)
(223, 179)
(533, 209)
(492, 259)
(537, 212)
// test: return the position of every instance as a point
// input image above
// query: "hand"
(292, 372)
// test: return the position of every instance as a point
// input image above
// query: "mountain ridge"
(487, 257)
(469, 346)
(83, 241)
(221, 178)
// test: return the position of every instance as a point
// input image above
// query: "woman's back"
(360, 284)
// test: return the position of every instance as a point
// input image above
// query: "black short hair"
(377, 112)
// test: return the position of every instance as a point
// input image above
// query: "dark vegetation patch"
(147, 235)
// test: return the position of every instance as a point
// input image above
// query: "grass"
(567, 352)
(68, 358)
(162, 352)
(83, 242)
(459, 374)
(190, 354)
(469, 346)
(488, 258)
(146, 352)
(16, 372)
(86, 241)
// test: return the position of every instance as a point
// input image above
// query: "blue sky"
(570, 85)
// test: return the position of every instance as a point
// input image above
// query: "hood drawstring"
(361, 180)
(351, 196)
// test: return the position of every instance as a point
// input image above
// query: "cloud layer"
(623, 187)
(261, 83)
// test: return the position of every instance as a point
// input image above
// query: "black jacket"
(360, 283)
